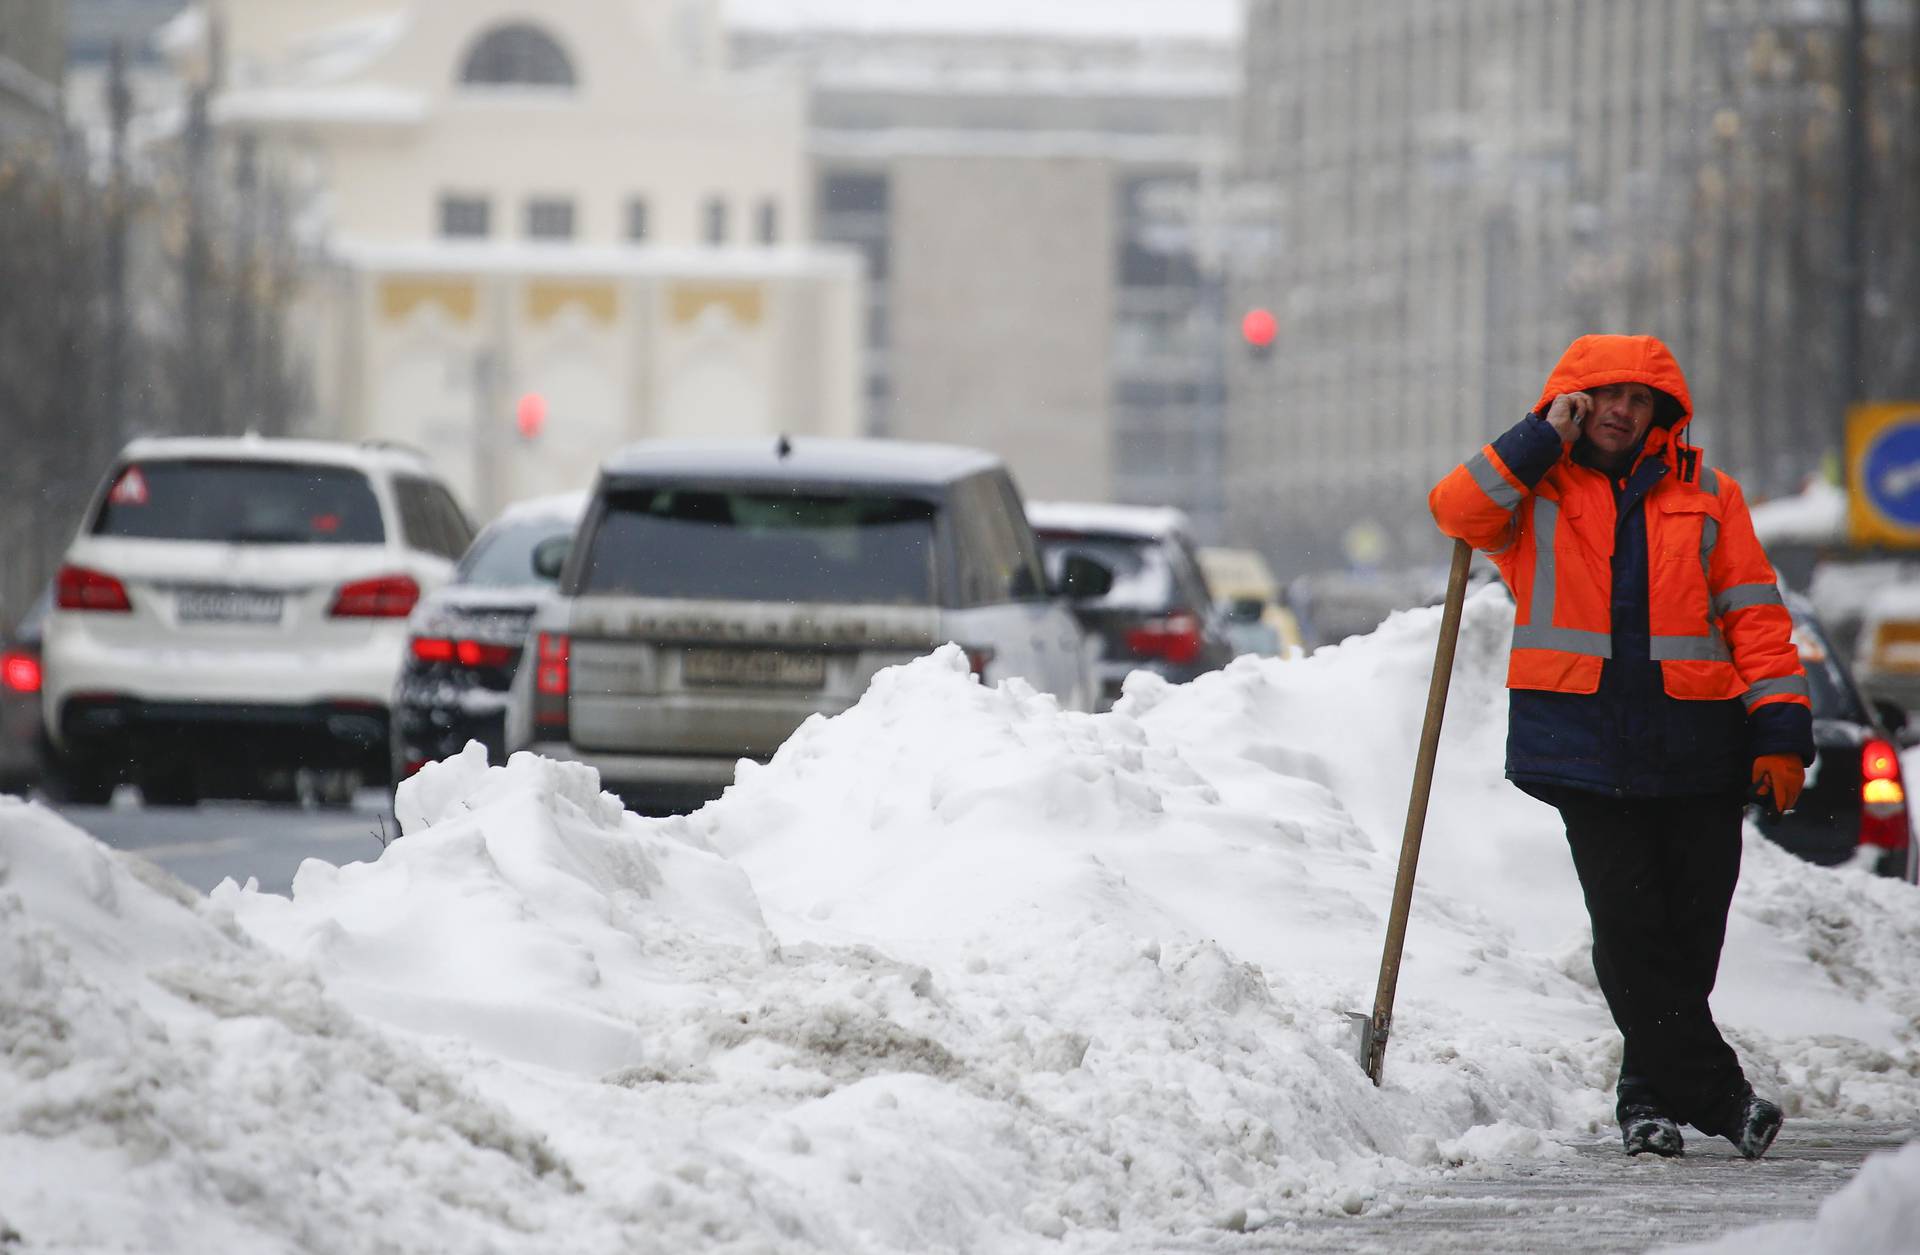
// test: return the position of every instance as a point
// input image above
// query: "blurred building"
(541, 232)
(1462, 187)
(94, 27)
(1040, 212)
(32, 56)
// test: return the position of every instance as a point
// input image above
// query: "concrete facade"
(33, 53)
(1068, 185)
(584, 205)
(1003, 297)
(1463, 186)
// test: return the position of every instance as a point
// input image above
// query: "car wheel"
(80, 782)
(170, 786)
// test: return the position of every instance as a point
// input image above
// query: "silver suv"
(718, 593)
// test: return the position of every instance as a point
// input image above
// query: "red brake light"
(1883, 796)
(552, 677)
(482, 654)
(1175, 638)
(552, 680)
(383, 597)
(19, 671)
(466, 653)
(77, 588)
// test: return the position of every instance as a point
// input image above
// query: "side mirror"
(1245, 610)
(1082, 577)
(1894, 717)
(550, 555)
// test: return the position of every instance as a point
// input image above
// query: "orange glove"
(1776, 781)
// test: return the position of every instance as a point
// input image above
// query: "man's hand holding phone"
(1568, 414)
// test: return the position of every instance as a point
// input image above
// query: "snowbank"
(1877, 1213)
(956, 970)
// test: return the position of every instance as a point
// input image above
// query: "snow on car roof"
(559, 506)
(811, 458)
(277, 449)
(1119, 520)
(1816, 514)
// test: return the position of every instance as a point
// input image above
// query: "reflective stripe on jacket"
(1717, 625)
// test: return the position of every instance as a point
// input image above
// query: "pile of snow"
(956, 970)
(1878, 1213)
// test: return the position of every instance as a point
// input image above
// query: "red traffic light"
(530, 416)
(1259, 328)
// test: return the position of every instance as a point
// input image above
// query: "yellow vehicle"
(1241, 581)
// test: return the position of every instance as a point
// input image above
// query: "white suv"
(234, 609)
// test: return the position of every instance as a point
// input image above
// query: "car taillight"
(77, 588)
(383, 597)
(1175, 638)
(552, 682)
(19, 671)
(465, 653)
(1883, 797)
(978, 656)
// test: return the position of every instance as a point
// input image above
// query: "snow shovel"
(1373, 1029)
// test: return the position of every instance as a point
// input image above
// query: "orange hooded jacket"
(1717, 623)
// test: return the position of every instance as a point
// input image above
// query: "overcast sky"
(1218, 19)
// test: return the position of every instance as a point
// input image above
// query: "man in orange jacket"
(1655, 689)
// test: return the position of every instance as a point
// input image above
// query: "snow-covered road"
(956, 971)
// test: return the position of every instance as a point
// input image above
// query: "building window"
(549, 218)
(716, 220)
(517, 54)
(767, 222)
(465, 217)
(637, 219)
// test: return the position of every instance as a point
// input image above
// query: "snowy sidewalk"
(1597, 1203)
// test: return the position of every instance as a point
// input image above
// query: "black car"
(1854, 807)
(23, 741)
(465, 639)
(1158, 614)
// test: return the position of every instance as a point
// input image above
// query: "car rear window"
(747, 545)
(1142, 573)
(1833, 694)
(503, 555)
(241, 502)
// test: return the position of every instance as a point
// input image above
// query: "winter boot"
(1754, 1129)
(1650, 1131)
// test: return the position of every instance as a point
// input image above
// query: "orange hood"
(1595, 361)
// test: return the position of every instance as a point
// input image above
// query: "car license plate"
(754, 668)
(227, 605)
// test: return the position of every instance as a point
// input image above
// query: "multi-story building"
(32, 54)
(579, 214)
(1462, 186)
(1039, 210)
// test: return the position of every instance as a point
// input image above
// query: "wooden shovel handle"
(1376, 1046)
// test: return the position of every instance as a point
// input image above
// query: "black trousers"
(1658, 875)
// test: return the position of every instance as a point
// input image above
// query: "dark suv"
(1159, 614)
(464, 640)
(1854, 807)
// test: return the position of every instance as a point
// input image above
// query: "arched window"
(518, 54)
